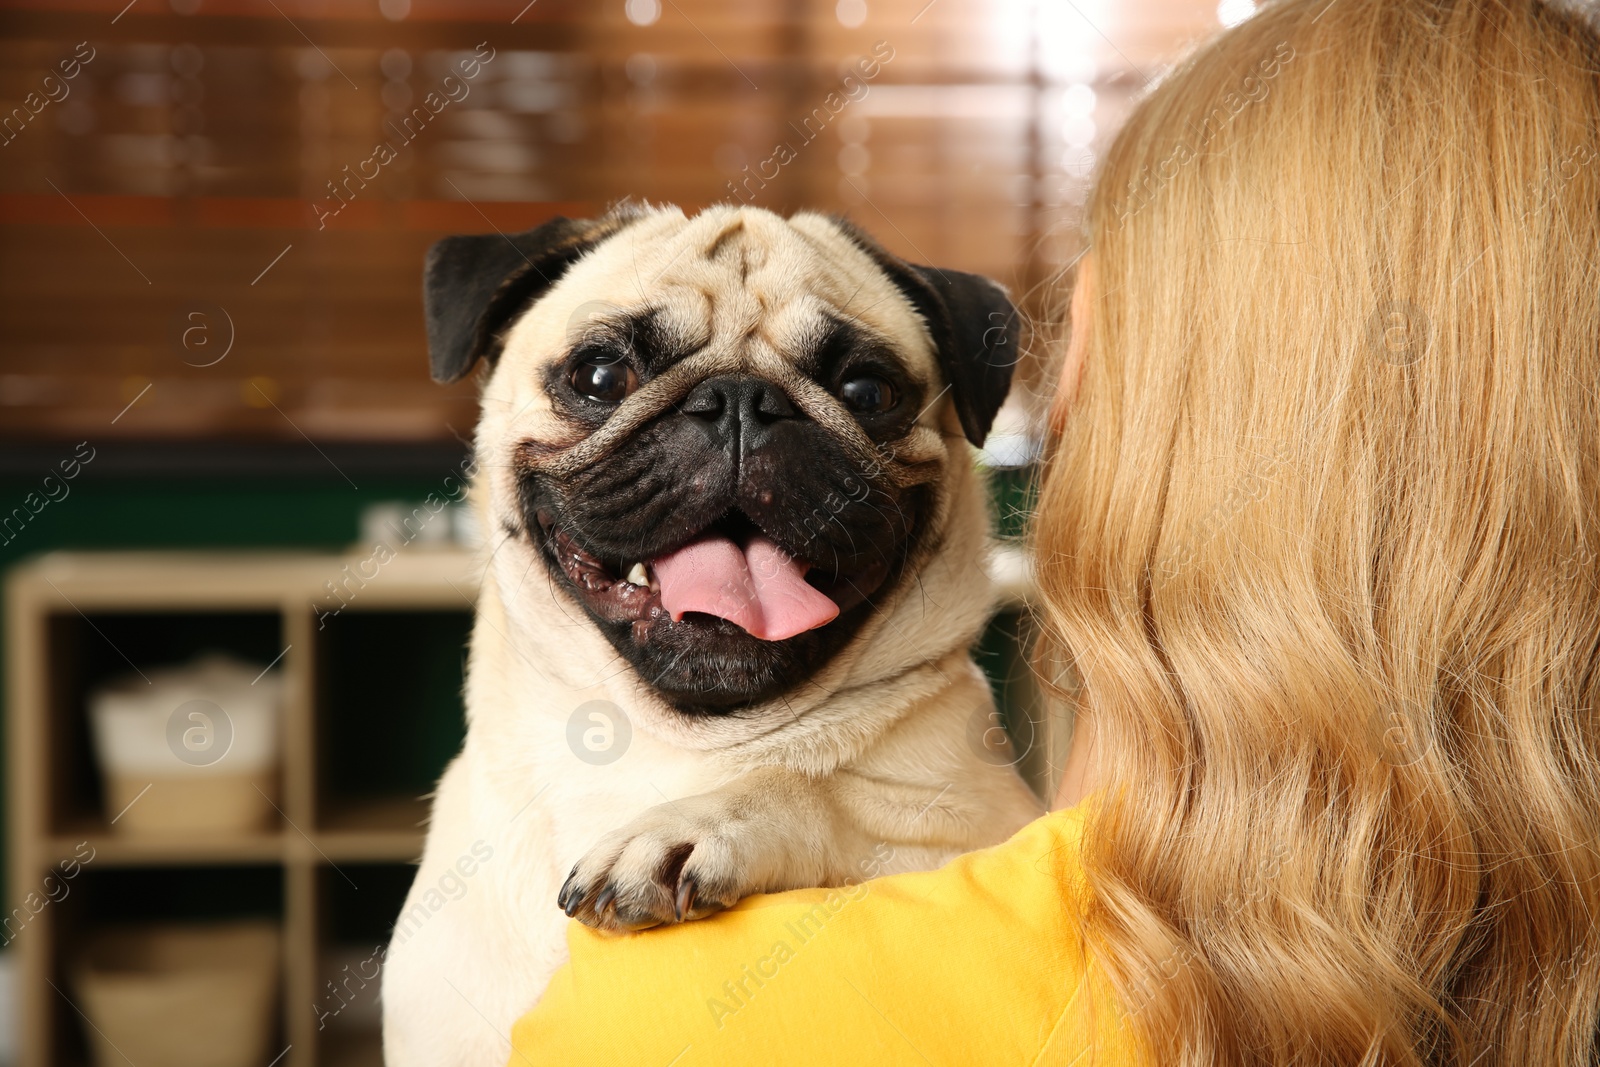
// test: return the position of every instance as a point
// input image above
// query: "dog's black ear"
(974, 327)
(474, 285)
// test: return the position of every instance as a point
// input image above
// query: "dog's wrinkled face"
(722, 434)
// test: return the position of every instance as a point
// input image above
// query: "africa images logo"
(1400, 732)
(598, 732)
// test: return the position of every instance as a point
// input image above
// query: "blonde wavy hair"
(1319, 537)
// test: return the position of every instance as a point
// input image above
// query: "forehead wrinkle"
(667, 235)
(702, 232)
(729, 237)
(722, 306)
(685, 312)
(812, 263)
(791, 262)
(771, 232)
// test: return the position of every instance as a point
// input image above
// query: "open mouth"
(730, 572)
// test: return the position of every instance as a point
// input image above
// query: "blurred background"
(214, 403)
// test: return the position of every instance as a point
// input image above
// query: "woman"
(1319, 538)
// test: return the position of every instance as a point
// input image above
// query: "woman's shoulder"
(978, 962)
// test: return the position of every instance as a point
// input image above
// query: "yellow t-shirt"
(980, 962)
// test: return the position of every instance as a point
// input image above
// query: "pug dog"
(736, 564)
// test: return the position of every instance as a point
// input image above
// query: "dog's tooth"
(637, 576)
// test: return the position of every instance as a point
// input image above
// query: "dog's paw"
(670, 864)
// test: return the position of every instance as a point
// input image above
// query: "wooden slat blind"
(185, 171)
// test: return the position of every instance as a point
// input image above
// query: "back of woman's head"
(1320, 537)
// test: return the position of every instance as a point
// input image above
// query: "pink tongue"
(760, 588)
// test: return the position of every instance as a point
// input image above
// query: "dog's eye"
(605, 378)
(868, 394)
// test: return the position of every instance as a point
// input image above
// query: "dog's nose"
(738, 410)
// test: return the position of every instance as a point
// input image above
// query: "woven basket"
(198, 995)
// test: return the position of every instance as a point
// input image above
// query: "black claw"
(567, 889)
(687, 888)
(603, 901)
